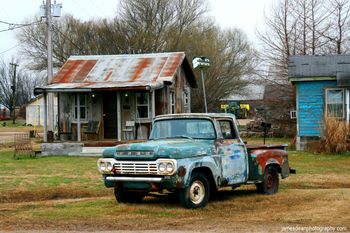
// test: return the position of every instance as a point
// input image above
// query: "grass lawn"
(45, 178)
(19, 126)
(268, 140)
(66, 193)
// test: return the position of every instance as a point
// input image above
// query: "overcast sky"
(244, 14)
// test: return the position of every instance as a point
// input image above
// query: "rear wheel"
(196, 195)
(123, 196)
(270, 182)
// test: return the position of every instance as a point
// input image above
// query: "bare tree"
(153, 26)
(232, 64)
(24, 85)
(339, 29)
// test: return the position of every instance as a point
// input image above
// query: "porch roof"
(119, 72)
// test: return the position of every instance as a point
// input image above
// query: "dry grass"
(318, 195)
(335, 135)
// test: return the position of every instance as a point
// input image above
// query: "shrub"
(335, 135)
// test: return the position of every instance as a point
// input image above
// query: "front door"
(233, 154)
(110, 115)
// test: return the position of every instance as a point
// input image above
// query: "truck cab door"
(233, 153)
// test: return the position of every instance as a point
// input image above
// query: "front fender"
(208, 162)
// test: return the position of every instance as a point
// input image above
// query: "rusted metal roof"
(147, 71)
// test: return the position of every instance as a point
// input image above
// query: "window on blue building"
(335, 103)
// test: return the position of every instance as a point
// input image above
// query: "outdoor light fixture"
(202, 63)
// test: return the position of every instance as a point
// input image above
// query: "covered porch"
(107, 100)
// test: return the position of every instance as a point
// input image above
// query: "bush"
(335, 135)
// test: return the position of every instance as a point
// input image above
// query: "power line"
(75, 45)
(9, 49)
(13, 26)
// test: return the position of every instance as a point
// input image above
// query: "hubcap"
(197, 192)
(270, 181)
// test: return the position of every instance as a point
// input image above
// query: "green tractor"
(240, 110)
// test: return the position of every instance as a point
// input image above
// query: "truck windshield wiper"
(177, 136)
(182, 136)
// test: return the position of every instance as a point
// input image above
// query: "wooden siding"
(310, 104)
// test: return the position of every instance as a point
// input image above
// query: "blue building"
(322, 86)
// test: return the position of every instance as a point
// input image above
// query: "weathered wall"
(310, 105)
(35, 112)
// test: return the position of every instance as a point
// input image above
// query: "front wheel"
(123, 196)
(196, 195)
(270, 181)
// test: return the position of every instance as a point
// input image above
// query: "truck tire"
(270, 181)
(196, 195)
(123, 196)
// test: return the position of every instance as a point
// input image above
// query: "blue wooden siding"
(310, 106)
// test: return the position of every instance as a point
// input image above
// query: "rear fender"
(271, 157)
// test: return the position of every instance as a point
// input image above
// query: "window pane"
(335, 103)
(194, 128)
(335, 110)
(226, 129)
(335, 97)
(142, 111)
(82, 112)
(141, 98)
(82, 99)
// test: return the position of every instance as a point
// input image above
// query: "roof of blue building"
(327, 67)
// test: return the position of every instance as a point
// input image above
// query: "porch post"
(119, 119)
(45, 117)
(78, 117)
(153, 104)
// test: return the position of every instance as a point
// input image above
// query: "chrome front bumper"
(135, 179)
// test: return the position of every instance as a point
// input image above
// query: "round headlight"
(169, 167)
(109, 166)
(102, 166)
(161, 167)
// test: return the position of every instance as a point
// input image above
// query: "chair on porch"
(92, 128)
(65, 132)
(129, 130)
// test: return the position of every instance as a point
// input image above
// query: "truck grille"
(135, 167)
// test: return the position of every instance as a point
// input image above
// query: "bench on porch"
(92, 128)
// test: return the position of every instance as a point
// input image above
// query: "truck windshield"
(183, 128)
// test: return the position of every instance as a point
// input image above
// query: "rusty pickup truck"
(192, 155)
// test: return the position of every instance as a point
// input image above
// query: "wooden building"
(322, 90)
(116, 96)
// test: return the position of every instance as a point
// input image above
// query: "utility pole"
(202, 63)
(48, 11)
(13, 87)
(49, 65)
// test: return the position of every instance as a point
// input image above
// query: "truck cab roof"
(195, 115)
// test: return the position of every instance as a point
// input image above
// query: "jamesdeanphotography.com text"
(314, 229)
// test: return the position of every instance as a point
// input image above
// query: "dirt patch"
(48, 194)
(241, 210)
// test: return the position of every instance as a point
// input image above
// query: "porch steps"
(92, 151)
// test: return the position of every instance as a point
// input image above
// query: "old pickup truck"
(192, 155)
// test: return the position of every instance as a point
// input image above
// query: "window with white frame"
(186, 98)
(142, 105)
(335, 102)
(172, 102)
(83, 108)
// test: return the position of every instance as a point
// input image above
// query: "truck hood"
(166, 148)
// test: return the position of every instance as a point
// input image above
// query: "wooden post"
(78, 118)
(119, 118)
(45, 117)
(153, 99)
